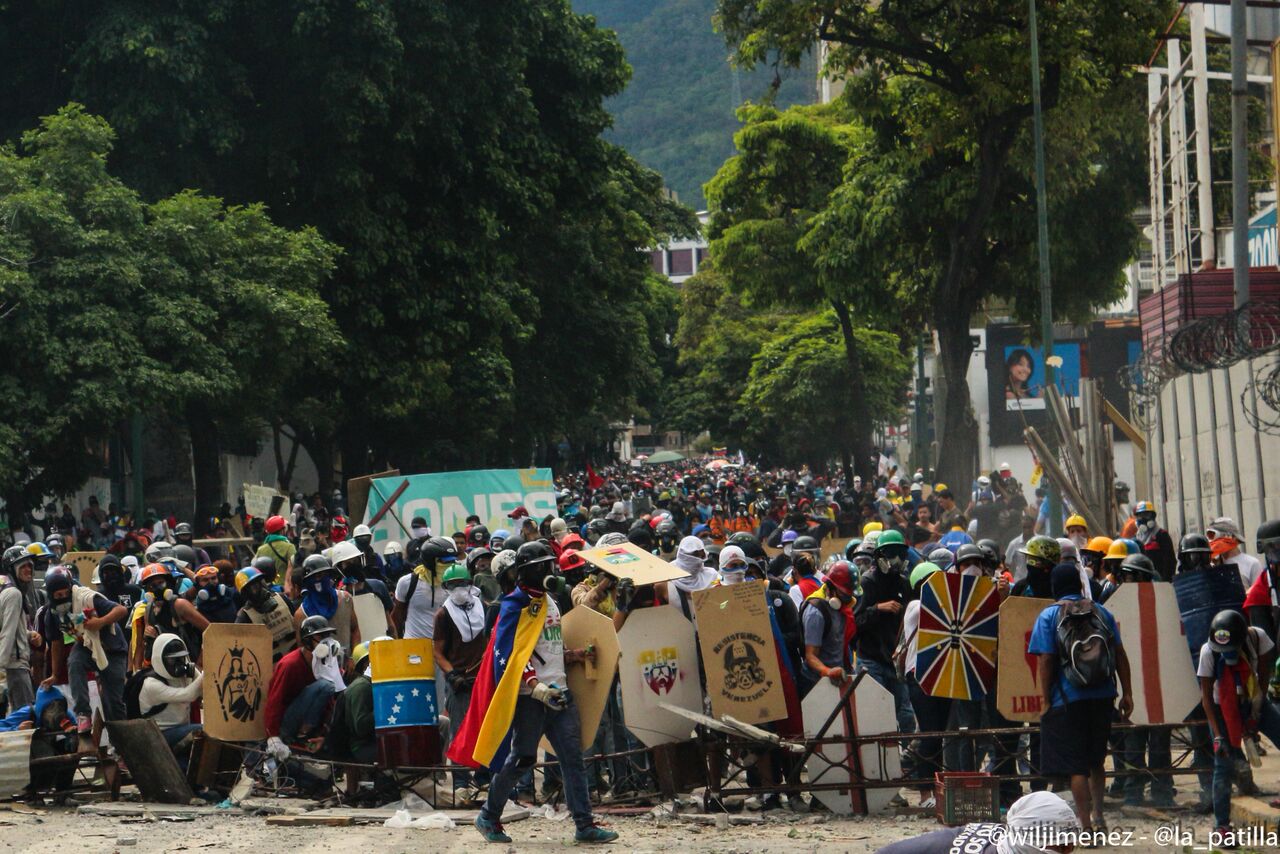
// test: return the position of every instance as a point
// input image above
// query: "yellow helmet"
(872, 526)
(1076, 521)
(359, 654)
(1117, 550)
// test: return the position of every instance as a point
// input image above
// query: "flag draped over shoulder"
(482, 738)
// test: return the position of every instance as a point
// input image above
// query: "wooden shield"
(1018, 692)
(1165, 689)
(84, 562)
(237, 671)
(659, 665)
(739, 654)
(370, 616)
(956, 644)
(627, 560)
(870, 711)
(589, 683)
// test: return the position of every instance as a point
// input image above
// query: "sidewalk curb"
(1252, 812)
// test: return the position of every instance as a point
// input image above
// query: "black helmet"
(596, 529)
(666, 528)
(1139, 564)
(1227, 631)
(183, 529)
(1194, 544)
(436, 548)
(805, 544)
(970, 551)
(265, 564)
(184, 554)
(713, 555)
(315, 565)
(478, 536)
(1268, 533)
(991, 549)
(13, 556)
(641, 535)
(512, 543)
(534, 562)
(314, 627)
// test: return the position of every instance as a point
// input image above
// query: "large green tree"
(114, 306)
(454, 152)
(943, 206)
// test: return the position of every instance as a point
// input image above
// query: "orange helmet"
(1099, 544)
(1117, 550)
(152, 570)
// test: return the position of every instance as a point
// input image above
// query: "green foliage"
(113, 305)
(678, 113)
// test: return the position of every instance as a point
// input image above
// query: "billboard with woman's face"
(1024, 374)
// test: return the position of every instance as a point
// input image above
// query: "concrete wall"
(1196, 454)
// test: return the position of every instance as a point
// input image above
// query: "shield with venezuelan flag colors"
(956, 643)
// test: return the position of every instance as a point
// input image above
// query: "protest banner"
(258, 498)
(1018, 694)
(956, 642)
(1165, 688)
(627, 560)
(446, 499)
(659, 664)
(237, 661)
(869, 711)
(739, 654)
(86, 563)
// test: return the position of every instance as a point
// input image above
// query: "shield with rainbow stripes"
(956, 643)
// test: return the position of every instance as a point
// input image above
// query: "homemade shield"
(1165, 689)
(739, 654)
(370, 616)
(590, 683)
(627, 560)
(84, 562)
(237, 672)
(869, 711)
(404, 701)
(659, 664)
(1018, 694)
(956, 644)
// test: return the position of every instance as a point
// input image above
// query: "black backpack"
(1085, 645)
(133, 694)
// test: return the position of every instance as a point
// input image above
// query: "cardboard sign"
(627, 560)
(956, 643)
(1165, 688)
(1018, 693)
(739, 655)
(258, 498)
(370, 616)
(869, 711)
(86, 563)
(590, 683)
(237, 671)
(659, 665)
(358, 492)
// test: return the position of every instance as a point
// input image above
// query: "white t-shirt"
(1250, 568)
(911, 631)
(1207, 670)
(420, 614)
(548, 653)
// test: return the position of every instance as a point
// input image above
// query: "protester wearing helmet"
(1194, 554)
(420, 594)
(544, 706)
(668, 538)
(321, 596)
(303, 683)
(394, 565)
(931, 712)
(878, 617)
(57, 546)
(19, 603)
(1042, 554)
(185, 535)
(1077, 530)
(479, 564)
(276, 545)
(265, 607)
(84, 628)
(805, 578)
(691, 558)
(166, 691)
(1263, 598)
(162, 610)
(827, 626)
(359, 730)
(213, 599)
(373, 566)
(1224, 544)
(1154, 540)
(352, 566)
(458, 646)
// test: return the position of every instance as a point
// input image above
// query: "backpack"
(133, 695)
(1085, 652)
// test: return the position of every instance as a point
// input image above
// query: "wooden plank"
(1139, 441)
(151, 764)
(311, 820)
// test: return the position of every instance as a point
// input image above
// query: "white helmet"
(361, 530)
(984, 481)
(393, 548)
(343, 551)
(158, 551)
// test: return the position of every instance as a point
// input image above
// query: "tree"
(764, 202)
(944, 89)
(116, 306)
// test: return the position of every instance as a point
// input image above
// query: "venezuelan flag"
(482, 738)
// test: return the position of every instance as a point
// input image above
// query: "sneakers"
(84, 724)
(1225, 837)
(492, 830)
(594, 834)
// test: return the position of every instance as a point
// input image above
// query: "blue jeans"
(888, 679)
(1224, 768)
(175, 734)
(110, 682)
(532, 721)
(307, 710)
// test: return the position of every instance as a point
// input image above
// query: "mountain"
(677, 114)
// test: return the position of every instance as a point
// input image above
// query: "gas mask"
(260, 597)
(159, 594)
(1146, 527)
(178, 661)
(889, 563)
(213, 591)
(786, 549)
(62, 608)
(327, 649)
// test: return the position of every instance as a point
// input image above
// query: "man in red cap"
(276, 546)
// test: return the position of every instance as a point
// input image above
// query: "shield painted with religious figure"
(956, 644)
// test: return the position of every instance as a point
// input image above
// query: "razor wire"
(1265, 386)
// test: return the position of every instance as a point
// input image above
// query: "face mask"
(418, 531)
(732, 576)
(326, 649)
(460, 596)
(888, 564)
(972, 570)
(786, 549)
(1080, 540)
(161, 596)
(62, 608)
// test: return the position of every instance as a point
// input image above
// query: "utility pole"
(1054, 514)
(1239, 151)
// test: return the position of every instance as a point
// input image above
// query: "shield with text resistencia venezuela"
(739, 654)
(956, 644)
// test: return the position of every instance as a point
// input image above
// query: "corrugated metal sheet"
(15, 762)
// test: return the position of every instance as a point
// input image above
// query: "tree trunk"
(957, 432)
(858, 435)
(206, 467)
(320, 446)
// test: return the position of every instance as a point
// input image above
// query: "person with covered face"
(1154, 541)
(166, 691)
(878, 616)
(826, 618)
(18, 606)
(265, 607)
(458, 645)
(85, 628)
(322, 598)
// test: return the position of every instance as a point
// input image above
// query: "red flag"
(594, 481)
